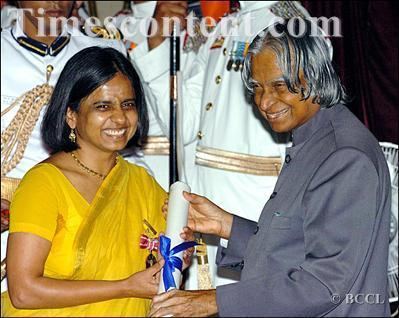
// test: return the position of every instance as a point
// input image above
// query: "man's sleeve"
(153, 67)
(340, 204)
(232, 256)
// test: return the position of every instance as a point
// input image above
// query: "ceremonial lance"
(174, 69)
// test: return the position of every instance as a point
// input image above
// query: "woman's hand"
(30, 289)
(188, 235)
(144, 284)
(206, 217)
(165, 208)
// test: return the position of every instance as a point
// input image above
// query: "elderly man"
(322, 237)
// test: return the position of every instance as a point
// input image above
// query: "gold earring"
(72, 135)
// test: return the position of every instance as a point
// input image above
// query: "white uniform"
(155, 154)
(23, 66)
(234, 153)
(8, 16)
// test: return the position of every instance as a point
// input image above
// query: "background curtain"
(366, 57)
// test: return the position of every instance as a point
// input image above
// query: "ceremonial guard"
(134, 27)
(230, 156)
(30, 69)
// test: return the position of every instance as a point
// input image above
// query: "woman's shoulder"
(46, 171)
(41, 170)
(136, 169)
(142, 174)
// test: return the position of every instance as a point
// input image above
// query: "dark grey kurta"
(322, 237)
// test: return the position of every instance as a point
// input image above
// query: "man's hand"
(166, 9)
(206, 217)
(165, 208)
(181, 303)
(5, 206)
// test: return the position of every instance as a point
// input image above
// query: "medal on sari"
(150, 242)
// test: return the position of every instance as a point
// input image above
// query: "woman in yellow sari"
(77, 218)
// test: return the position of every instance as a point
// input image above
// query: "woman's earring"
(72, 135)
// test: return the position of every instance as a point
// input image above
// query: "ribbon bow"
(172, 262)
(150, 244)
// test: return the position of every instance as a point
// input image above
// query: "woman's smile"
(115, 133)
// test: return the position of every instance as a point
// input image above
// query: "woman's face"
(107, 119)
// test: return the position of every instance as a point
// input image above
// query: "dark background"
(366, 57)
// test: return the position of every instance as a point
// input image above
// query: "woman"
(77, 217)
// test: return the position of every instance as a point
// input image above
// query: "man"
(135, 26)
(226, 145)
(31, 63)
(322, 238)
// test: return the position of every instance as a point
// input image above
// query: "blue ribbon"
(172, 262)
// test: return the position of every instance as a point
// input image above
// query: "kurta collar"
(38, 47)
(303, 133)
(319, 120)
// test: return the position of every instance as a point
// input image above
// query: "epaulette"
(288, 9)
(110, 33)
(193, 42)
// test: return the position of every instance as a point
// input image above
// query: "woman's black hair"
(82, 74)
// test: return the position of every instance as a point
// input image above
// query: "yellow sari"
(97, 241)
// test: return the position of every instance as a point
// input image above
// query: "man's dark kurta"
(322, 239)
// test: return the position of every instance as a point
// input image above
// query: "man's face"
(46, 10)
(283, 110)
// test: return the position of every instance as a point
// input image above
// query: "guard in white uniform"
(155, 153)
(25, 64)
(230, 156)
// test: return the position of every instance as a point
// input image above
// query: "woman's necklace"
(87, 169)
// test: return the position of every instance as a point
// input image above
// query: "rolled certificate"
(176, 220)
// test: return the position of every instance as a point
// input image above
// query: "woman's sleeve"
(34, 207)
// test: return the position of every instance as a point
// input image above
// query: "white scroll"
(176, 221)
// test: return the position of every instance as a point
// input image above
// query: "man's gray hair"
(308, 52)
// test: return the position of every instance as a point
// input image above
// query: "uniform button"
(273, 195)
(49, 70)
(209, 106)
(256, 230)
(200, 135)
(218, 79)
(224, 51)
(287, 158)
